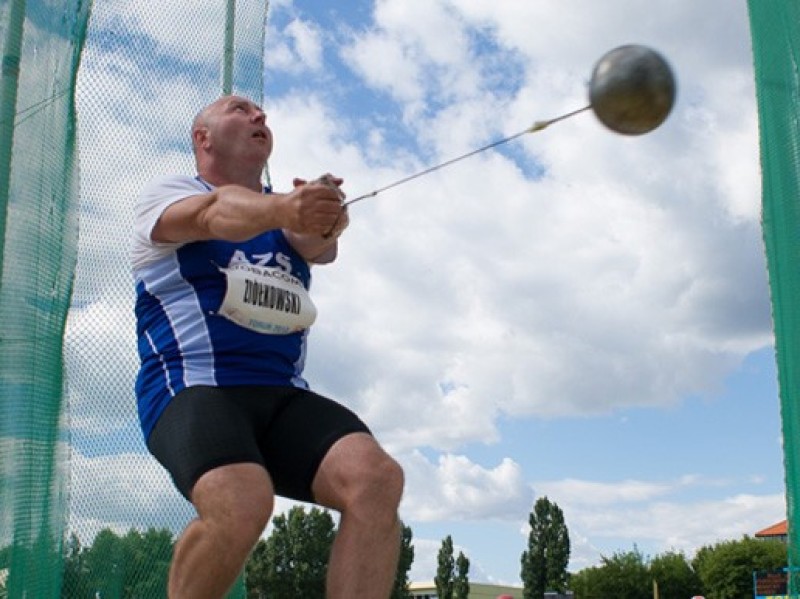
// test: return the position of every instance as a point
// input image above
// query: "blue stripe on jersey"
(183, 324)
(156, 384)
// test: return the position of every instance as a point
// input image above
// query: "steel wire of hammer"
(537, 126)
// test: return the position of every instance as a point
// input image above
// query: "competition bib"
(266, 300)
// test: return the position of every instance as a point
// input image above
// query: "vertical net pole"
(8, 102)
(775, 32)
(238, 591)
(228, 53)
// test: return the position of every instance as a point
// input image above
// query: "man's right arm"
(235, 213)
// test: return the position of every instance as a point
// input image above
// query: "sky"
(577, 315)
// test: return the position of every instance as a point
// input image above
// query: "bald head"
(231, 140)
(206, 116)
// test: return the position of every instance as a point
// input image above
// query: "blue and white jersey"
(182, 339)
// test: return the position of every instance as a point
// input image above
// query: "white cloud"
(426, 551)
(600, 493)
(455, 488)
(307, 43)
(415, 53)
(605, 517)
(129, 19)
(297, 49)
(383, 64)
(120, 492)
(100, 354)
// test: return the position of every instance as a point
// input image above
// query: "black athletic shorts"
(287, 430)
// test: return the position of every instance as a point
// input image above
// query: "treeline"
(292, 562)
(719, 571)
(135, 565)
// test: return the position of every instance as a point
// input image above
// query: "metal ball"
(632, 89)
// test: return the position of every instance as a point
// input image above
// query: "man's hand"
(316, 207)
(326, 179)
(343, 219)
(318, 244)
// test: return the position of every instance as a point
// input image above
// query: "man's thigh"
(203, 428)
(300, 437)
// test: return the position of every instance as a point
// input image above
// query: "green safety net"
(38, 235)
(775, 32)
(97, 98)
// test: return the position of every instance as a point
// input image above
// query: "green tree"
(586, 582)
(726, 569)
(674, 576)
(461, 581)
(625, 575)
(445, 570)
(544, 563)
(401, 581)
(256, 571)
(293, 561)
(147, 558)
(76, 580)
(136, 565)
(105, 564)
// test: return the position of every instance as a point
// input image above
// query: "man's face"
(235, 127)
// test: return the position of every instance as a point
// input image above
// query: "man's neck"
(232, 176)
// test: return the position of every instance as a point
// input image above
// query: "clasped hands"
(320, 206)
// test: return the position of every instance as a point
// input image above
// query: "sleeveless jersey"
(182, 339)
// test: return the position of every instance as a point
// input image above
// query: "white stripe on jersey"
(185, 316)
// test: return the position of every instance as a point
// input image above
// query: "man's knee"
(387, 478)
(378, 489)
(235, 500)
(357, 475)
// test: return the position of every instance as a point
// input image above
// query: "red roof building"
(777, 531)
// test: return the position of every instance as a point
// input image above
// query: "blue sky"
(577, 315)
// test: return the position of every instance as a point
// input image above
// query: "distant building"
(778, 532)
(427, 590)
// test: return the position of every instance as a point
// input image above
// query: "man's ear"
(200, 137)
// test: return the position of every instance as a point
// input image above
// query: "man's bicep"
(182, 220)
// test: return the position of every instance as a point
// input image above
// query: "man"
(222, 268)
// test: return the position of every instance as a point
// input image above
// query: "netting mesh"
(38, 227)
(74, 472)
(775, 28)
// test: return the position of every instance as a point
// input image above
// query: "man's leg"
(234, 504)
(365, 485)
